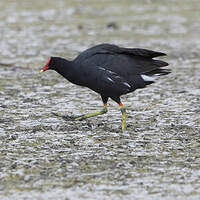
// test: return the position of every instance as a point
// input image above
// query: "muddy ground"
(45, 157)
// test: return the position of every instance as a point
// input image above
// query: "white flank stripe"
(110, 79)
(126, 84)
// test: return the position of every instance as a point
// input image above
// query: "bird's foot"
(65, 117)
(82, 117)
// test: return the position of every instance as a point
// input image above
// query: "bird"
(110, 71)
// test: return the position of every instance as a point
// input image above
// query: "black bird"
(110, 71)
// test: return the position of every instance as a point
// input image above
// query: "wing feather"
(107, 82)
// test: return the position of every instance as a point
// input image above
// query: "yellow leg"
(123, 111)
(103, 111)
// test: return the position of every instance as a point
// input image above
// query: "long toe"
(79, 118)
(65, 117)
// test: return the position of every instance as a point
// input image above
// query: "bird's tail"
(150, 76)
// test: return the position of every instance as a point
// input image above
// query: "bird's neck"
(67, 69)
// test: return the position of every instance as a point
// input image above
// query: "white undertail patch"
(148, 78)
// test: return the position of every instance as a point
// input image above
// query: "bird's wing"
(113, 49)
(123, 61)
(104, 81)
(141, 59)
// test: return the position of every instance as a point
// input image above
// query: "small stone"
(2, 133)
(80, 27)
(27, 178)
(112, 25)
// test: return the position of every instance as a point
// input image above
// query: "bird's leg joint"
(104, 110)
(123, 110)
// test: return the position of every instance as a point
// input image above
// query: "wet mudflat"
(45, 157)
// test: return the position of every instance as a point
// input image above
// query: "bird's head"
(50, 64)
(47, 66)
(61, 66)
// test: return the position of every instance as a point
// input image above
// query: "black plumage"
(110, 70)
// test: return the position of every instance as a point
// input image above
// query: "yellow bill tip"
(41, 70)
